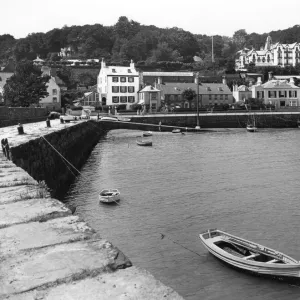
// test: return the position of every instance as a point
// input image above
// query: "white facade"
(280, 93)
(118, 85)
(271, 55)
(53, 101)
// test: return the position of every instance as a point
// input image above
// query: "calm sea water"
(244, 183)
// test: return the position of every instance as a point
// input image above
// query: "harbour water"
(243, 183)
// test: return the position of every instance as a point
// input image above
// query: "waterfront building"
(241, 93)
(280, 93)
(150, 97)
(53, 100)
(91, 98)
(118, 85)
(278, 54)
(210, 94)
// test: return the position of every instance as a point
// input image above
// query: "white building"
(280, 93)
(53, 101)
(277, 54)
(118, 85)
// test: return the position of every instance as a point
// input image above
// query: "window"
(216, 97)
(131, 89)
(123, 79)
(130, 79)
(153, 105)
(115, 79)
(209, 89)
(221, 97)
(209, 97)
(129, 71)
(54, 92)
(131, 99)
(114, 71)
(260, 94)
(123, 89)
(54, 99)
(97, 96)
(281, 94)
(220, 89)
(272, 94)
(293, 102)
(115, 89)
(154, 96)
(123, 99)
(115, 99)
(226, 97)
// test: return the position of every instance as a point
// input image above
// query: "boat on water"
(176, 131)
(250, 256)
(142, 142)
(251, 128)
(251, 125)
(147, 133)
(109, 119)
(109, 196)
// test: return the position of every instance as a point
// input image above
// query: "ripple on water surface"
(246, 184)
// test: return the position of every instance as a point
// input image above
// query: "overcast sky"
(22, 17)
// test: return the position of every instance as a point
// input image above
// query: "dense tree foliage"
(146, 45)
(27, 86)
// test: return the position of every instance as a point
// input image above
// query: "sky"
(211, 17)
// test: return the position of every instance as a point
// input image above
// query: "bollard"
(20, 128)
(62, 121)
(48, 122)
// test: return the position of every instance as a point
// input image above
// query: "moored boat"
(250, 256)
(147, 133)
(144, 143)
(109, 196)
(251, 128)
(176, 130)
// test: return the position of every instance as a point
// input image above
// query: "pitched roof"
(279, 84)
(243, 88)
(149, 88)
(191, 74)
(119, 70)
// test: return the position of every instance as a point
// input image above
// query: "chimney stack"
(103, 65)
(131, 64)
(224, 81)
(270, 75)
(158, 80)
(292, 80)
(259, 81)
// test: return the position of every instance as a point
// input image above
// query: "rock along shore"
(48, 253)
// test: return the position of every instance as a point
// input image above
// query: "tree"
(87, 79)
(240, 38)
(27, 86)
(189, 95)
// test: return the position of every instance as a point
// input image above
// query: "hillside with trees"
(149, 46)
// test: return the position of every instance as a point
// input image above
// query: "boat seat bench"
(252, 256)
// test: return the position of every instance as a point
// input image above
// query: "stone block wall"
(42, 162)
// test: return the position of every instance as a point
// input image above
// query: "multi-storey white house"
(277, 54)
(118, 85)
(279, 93)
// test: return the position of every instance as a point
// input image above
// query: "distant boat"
(123, 119)
(142, 142)
(109, 119)
(251, 126)
(250, 256)
(147, 133)
(176, 131)
(109, 196)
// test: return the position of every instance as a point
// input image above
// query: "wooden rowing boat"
(142, 142)
(250, 256)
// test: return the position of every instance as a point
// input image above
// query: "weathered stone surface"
(40, 234)
(50, 266)
(16, 193)
(31, 210)
(131, 283)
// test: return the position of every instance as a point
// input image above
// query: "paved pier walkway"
(48, 253)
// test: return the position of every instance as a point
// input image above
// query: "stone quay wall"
(46, 252)
(14, 115)
(222, 120)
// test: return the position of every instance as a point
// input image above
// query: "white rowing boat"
(109, 196)
(250, 256)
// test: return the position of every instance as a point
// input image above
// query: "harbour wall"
(222, 120)
(40, 160)
(46, 252)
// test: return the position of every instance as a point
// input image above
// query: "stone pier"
(46, 252)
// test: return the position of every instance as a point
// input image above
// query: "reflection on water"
(243, 183)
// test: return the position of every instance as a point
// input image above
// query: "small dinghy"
(251, 128)
(250, 256)
(176, 131)
(147, 133)
(109, 196)
(142, 142)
